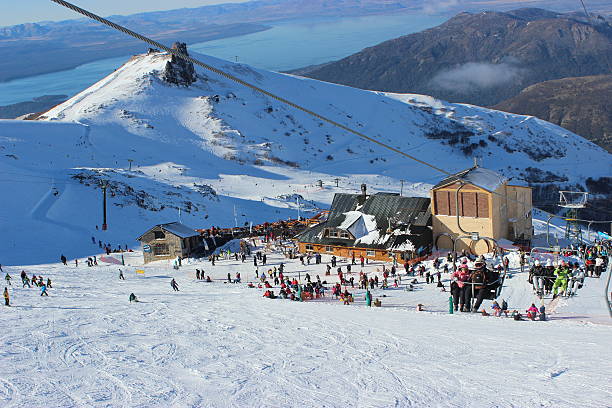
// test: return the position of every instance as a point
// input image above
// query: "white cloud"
(480, 75)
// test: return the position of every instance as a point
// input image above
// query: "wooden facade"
(497, 216)
(347, 252)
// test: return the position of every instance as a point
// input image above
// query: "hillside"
(225, 155)
(479, 58)
(581, 105)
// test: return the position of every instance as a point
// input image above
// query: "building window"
(159, 234)
(471, 204)
(333, 233)
(309, 247)
(161, 249)
(370, 253)
(329, 249)
(345, 235)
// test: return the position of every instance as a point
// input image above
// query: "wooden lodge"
(504, 215)
(382, 226)
(169, 241)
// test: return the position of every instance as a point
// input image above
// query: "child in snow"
(49, 283)
(8, 278)
(532, 312)
(7, 301)
(497, 311)
(43, 291)
(133, 298)
(542, 313)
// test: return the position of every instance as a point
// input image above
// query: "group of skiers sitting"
(556, 277)
(476, 283)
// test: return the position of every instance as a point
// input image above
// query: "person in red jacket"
(458, 287)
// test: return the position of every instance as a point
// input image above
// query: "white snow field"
(224, 345)
(216, 146)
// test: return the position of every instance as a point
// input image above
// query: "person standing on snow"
(7, 300)
(63, 259)
(43, 291)
(49, 283)
(174, 285)
(8, 278)
(121, 277)
(368, 299)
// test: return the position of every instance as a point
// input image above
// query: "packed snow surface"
(219, 344)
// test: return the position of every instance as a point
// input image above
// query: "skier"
(49, 283)
(562, 274)
(121, 277)
(63, 259)
(26, 281)
(8, 278)
(174, 285)
(479, 282)
(43, 291)
(368, 299)
(133, 298)
(458, 287)
(7, 300)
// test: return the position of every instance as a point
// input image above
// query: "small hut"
(169, 241)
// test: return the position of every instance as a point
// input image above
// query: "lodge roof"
(412, 215)
(486, 178)
(175, 228)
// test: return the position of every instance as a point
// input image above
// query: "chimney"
(364, 190)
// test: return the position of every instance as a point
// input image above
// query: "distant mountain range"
(37, 48)
(484, 59)
(582, 105)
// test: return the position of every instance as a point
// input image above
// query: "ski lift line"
(240, 81)
(269, 94)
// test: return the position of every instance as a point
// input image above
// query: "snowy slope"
(216, 149)
(222, 345)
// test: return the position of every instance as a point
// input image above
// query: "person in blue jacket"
(368, 299)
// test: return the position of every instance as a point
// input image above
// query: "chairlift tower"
(573, 201)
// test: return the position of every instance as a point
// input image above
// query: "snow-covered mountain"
(224, 154)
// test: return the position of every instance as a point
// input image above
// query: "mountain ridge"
(479, 58)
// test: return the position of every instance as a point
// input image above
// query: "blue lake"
(287, 45)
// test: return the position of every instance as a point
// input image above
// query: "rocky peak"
(177, 70)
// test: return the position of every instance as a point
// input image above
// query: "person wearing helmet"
(561, 281)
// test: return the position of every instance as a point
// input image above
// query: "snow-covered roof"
(479, 176)
(176, 228)
(180, 230)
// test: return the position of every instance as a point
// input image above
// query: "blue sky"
(24, 11)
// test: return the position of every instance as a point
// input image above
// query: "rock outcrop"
(178, 71)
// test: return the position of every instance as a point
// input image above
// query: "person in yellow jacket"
(7, 301)
(562, 274)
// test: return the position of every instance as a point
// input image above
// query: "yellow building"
(504, 215)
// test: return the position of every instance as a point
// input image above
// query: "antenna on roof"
(475, 161)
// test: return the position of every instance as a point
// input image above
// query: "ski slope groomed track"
(224, 345)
